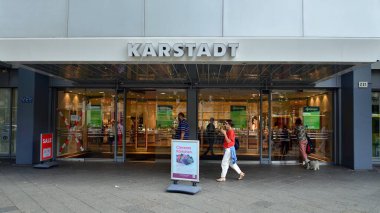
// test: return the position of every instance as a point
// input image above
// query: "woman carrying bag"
(229, 157)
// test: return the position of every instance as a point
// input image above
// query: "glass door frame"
(10, 106)
(122, 157)
(268, 159)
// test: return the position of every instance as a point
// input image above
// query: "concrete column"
(32, 115)
(192, 113)
(356, 149)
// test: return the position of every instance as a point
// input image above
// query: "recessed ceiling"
(204, 74)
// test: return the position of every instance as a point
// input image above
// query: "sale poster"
(46, 146)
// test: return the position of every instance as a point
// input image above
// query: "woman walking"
(302, 140)
(229, 157)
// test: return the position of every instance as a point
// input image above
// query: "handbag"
(237, 144)
(310, 148)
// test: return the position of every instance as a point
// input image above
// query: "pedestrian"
(120, 130)
(300, 132)
(182, 132)
(210, 136)
(285, 139)
(229, 157)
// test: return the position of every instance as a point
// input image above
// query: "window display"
(86, 123)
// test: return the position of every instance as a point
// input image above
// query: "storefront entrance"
(143, 122)
(121, 111)
(264, 122)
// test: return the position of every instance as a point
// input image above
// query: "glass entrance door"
(151, 121)
(315, 109)
(5, 122)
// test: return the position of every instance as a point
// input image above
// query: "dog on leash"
(313, 165)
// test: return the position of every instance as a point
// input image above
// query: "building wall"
(171, 18)
(376, 79)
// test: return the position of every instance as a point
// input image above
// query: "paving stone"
(140, 187)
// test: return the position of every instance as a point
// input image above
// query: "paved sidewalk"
(140, 187)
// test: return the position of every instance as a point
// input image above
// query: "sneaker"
(242, 174)
(222, 179)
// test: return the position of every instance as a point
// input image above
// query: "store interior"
(86, 122)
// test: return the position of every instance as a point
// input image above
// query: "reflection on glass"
(217, 105)
(86, 122)
(5, 121)
(14, 120)
(315, 108)
(151, 120)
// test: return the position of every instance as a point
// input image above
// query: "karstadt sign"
(182, 49)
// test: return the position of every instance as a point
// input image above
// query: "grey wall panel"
(347, 120)
(376, 79)
(362, 119)
(262, 18)
(356, 119)
(41, 115)
(25, 119)
(32, 118)
(37, 18)
(100, 18)
(183, 18)
(342, 18)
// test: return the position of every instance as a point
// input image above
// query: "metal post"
(10, 124)
(337, 128)
(261, 126)
(52, 119)
(269, 126)
(116, 124)
(124, 122)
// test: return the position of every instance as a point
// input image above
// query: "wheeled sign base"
(45, 165)
(182, 188)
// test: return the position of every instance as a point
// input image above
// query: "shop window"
(375, 126)
(242, 107)
(315, 108)
(86, 123)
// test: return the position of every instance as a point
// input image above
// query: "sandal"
(242, 174)
(222, 179)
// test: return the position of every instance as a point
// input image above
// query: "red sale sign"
(46, 151)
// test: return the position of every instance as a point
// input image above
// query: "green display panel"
(239, 116)
(164, 116)
(311, 117)
(94, 116)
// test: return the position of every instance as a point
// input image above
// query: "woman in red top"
(229, 157)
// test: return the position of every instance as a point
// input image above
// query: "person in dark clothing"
(210, 136)
(182, 132)
(285, 141)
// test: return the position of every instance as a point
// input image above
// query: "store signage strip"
(182, 49)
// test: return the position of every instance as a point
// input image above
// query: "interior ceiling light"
(162, 93)
(101, 92)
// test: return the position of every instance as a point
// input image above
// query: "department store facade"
(116, 93)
